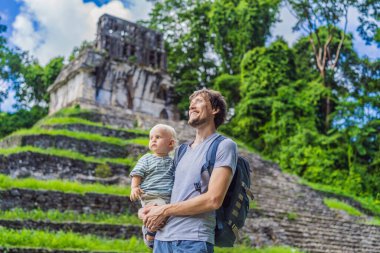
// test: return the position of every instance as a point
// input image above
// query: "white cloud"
(50, 28)
(6, 105)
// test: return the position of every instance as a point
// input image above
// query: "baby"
(153, 175)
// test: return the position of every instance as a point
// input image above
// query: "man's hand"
(154, 217)
(136, 193)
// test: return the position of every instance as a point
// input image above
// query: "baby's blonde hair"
(170, 130)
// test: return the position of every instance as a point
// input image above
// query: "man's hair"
(170, 130)
(217, 102)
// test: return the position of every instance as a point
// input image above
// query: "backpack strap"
(211, 154)
(209, 166)
(179, 154)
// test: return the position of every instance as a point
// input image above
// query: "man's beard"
(196, 122)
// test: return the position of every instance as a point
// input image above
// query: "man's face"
(200, 111)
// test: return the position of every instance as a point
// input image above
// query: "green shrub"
(292, 216)
(103, 171)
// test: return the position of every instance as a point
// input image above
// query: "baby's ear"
(172, 144)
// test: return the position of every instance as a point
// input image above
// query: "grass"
(74, 110)
(252, 204)
(69, 154)
(73, 241)
(68, 241)
(7, 182)
(292, 216)
(339, 205)
(73, 120)
(374, 221)
(82, 136)
(368, 203)
(56, 216)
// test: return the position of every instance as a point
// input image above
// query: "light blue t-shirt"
(157, 174)
(187, 176)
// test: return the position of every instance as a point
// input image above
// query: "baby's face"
(160, 142)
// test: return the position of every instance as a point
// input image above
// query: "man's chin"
(196, 123)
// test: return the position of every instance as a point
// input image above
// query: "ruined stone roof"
(125, 40)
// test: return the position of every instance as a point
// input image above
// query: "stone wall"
(42, 166)
(122, 119)
(117, 133)
(86, 147)
(104, 230)
(45, 200)
(98, 81)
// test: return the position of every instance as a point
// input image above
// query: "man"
(195, 196)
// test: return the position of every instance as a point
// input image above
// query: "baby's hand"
(136, 193)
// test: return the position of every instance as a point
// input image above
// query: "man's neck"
(202, 134)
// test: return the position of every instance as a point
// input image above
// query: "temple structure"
(124, 70)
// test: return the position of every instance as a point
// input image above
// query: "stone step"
(104, 230)
(294, 207)
(321, 248)
(316, 246)
(136, 120)
(306, 198)
(309, 227)
(83, 203)
(86, 147)
(310, 217)
(104, 131)
(322, 235)
(44, 166)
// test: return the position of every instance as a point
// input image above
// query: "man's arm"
(211, 200)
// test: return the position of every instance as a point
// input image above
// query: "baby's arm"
(136, 191)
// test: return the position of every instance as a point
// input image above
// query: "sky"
(51, 28)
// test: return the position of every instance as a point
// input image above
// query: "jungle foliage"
(313, 107)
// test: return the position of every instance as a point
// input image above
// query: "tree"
(238, 26)
(319, 19)
(10, 122)
(31, 88)
(185, 26)
(10, 65)
(263, 71)
(202, 43)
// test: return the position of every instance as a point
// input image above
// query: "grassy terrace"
(73, 241)
(67, 240)
(82, 136)
(339, 205)
(7, 182)
(73, 120)
(56, 216)
(69, 154)
(368, 203)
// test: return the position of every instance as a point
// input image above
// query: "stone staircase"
(293, 214)
(286, 212)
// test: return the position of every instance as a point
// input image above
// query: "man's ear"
(215, 111)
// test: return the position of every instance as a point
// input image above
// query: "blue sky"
(50, 28)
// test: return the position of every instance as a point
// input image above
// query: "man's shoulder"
(228, 143)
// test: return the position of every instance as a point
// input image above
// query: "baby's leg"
(149, 235)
